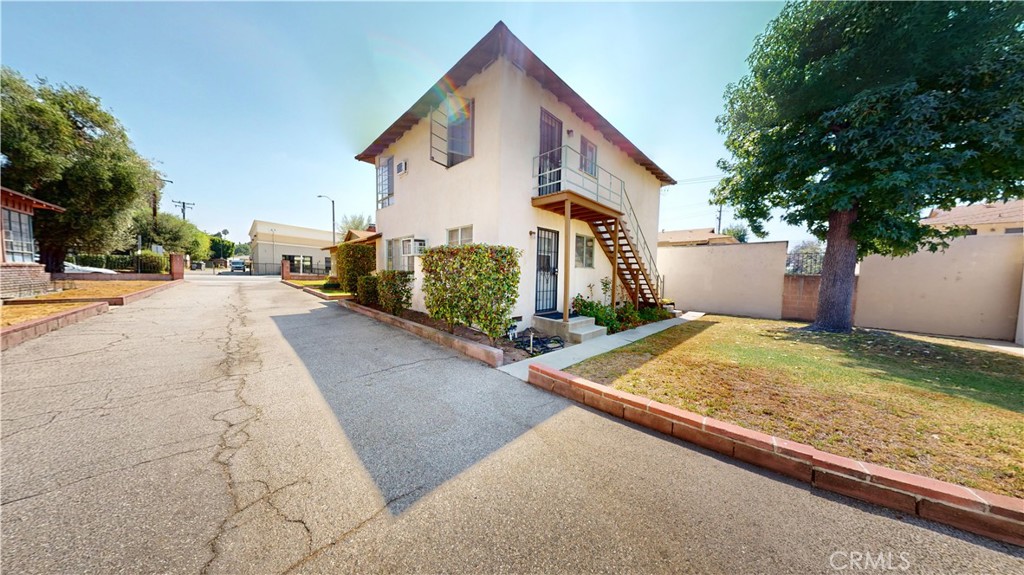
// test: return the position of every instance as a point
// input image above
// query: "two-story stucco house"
(502, 151)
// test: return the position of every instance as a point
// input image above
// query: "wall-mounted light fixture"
(570, 132)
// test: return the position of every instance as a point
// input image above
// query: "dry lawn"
(114, 288)
(952, 412)
(15, 314)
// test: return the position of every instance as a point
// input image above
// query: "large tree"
(856, 116)
(354, 222)
(61, 146)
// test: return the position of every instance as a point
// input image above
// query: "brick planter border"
(21, 332)
(492, 356)
(119, 300)
(318, 294)
(996, 516)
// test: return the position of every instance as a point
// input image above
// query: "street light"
(334, 226)
(273, 245)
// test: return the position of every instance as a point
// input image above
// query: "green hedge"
(473, 284)
(394, 291)
(353, 262)
(148, 263)
(366, 291)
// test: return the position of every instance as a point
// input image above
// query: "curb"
(119, 300)
(20, 333)
(996, 516)
(491, 356)
(312, 291)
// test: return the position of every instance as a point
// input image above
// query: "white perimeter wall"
(730, 279)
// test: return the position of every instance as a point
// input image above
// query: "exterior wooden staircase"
(616, 240)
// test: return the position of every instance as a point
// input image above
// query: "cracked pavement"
(236, 425)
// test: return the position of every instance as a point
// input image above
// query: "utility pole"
(719, 230)
(184, 206)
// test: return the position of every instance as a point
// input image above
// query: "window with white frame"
(385, 181)
(584, 251)
(400, 252)
(460, 236)
(19, 242)
(588, 157)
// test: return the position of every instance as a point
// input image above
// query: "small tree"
(353, 262)
(354, 222)
(738, 231)
(243, 249)
(856, 116)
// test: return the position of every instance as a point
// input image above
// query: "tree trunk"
(835, 296)
(53, 258)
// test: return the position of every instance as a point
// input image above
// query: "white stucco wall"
(493, 190)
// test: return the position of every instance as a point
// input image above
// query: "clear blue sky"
(253, 109)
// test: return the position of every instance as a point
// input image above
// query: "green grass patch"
(954, 412)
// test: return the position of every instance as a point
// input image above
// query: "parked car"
(238, 266)
(70, 268)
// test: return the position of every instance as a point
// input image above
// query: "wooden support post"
(615, 260)
(568, 260)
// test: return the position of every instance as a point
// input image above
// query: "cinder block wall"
(22, 280)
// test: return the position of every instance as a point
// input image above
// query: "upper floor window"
(451, 131)
(588, 157)
(385, 181)
(460, 236)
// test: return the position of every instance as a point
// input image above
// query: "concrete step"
(584, 334)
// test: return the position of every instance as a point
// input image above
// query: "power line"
(184, 206)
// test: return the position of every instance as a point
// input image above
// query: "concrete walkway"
(242, 426)
(574, 354)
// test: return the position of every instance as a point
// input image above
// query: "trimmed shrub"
(652, 314)
(603, 314)
(92, 261)
(472, 284)
(394, 291)
(354, 261)
(152, 263)
(331, 283)
(366, 292)
(122, 262)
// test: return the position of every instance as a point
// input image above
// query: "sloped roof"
(978, 214)
(694, 237)
(501, 42)
(35, 202)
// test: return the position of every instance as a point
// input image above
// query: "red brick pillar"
(286, 270)
(177, 266)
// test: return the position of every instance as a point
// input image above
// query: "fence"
(804, 263)
(147, 263)
(264, 269)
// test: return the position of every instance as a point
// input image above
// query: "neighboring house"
(367, 236)
(21, 275)
(698, 237)
(502, 151)
(273, 242)
(983, 219)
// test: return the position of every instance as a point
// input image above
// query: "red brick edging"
(20, 333)
(492, 356)
(989, 514)
(119, 300)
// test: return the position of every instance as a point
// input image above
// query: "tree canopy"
(856, 116)
(60, 145)
(738, 231)
(354, 222)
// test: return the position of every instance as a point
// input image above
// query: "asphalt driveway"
(236, 425)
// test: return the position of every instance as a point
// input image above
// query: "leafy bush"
(603, 314)
(366, 291)
(120, 262)
(473, 284)
(331, 283)
(652, 314)
(92, 261)
(152, 263)
(628, 316)
(394, 291)
(353, 262)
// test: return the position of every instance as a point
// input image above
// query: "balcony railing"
(565, 169)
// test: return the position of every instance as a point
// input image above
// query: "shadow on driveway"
(417, 414)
